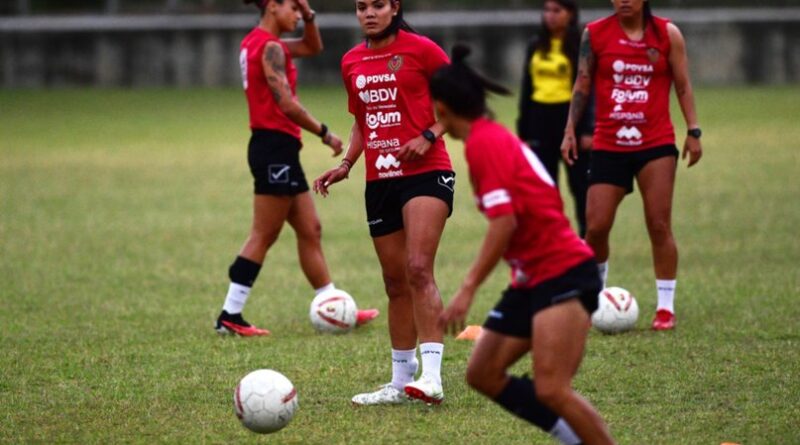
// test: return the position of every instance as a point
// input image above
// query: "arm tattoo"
(583, 82)
(276, 60)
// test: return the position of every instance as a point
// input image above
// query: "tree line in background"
(14, 7)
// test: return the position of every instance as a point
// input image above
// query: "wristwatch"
(310, 17)
(429, 136)
(695, 133)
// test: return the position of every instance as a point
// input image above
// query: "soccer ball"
(616, 312)
(333, 312)
(265, 401)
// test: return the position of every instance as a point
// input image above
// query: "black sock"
(244, 271)
(519, 398)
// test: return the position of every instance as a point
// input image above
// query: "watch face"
(695, 133)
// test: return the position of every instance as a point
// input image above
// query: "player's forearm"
(356, 146)
(498, 236)
(312, 38)
(685, 94)
(300, 116)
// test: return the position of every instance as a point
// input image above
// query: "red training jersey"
(264, 111)
(388, 94)
(632, 82)
(508, 178)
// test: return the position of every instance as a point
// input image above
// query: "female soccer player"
(551, 66)
(632, 58)
(554, 278)
(409, 192)
(281, 190)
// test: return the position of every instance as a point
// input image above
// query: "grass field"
(121, 211)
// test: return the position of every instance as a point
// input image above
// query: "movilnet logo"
(385, 162)
(629, 133)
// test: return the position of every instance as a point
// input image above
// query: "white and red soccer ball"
(334, 312)
(265, 401)
(617, 311)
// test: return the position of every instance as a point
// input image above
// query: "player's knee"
(311, 232)
(420, 272)
(552, 393)
(395, 286)
(262, 238)
(484, 379)
(659, 229)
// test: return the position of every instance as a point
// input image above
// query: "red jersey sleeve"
(434, 58)
(488, 169)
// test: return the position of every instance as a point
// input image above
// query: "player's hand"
(334, 142)
(586, 142)
(454, 317)
(414, 149)
(305, 8)
(569, 147)
(692, 148)
(329, 178)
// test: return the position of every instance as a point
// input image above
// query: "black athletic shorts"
(274, 159)
(385, 198)
(513, 314)
(608, 167)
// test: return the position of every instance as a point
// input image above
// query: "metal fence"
(726, 46)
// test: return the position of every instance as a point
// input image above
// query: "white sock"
(564, 434)
(237, 297)
(666, 294)
(431, 354)
(328, 286)
(603, 269)
(404, 367)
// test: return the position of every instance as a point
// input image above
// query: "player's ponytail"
(461, 88)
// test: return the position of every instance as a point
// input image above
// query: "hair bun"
(460, 52)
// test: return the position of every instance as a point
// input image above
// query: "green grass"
(120, 212)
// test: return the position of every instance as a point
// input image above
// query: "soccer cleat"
(366, 315)
(425, 389)
(230, 324)
(386, 395)
(664, 320)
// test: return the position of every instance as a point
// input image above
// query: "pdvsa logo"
(630, 97)
(378, 96)
(620, 67)
(386, 162)
(362, 81)
(381, 119)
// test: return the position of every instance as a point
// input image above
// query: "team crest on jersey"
(653, 54)
(395, 63)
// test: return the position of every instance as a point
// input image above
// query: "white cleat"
(386, 395)
(426, 389)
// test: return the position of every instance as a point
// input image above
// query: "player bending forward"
(555, 282)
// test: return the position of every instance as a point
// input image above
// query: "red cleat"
(230, 324)
(664, 320)
(365, 316)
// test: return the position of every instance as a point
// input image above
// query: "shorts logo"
(447, 181)
(279, 173)
(495, 314)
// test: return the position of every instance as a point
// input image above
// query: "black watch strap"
(695, 133)
(429, 136)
